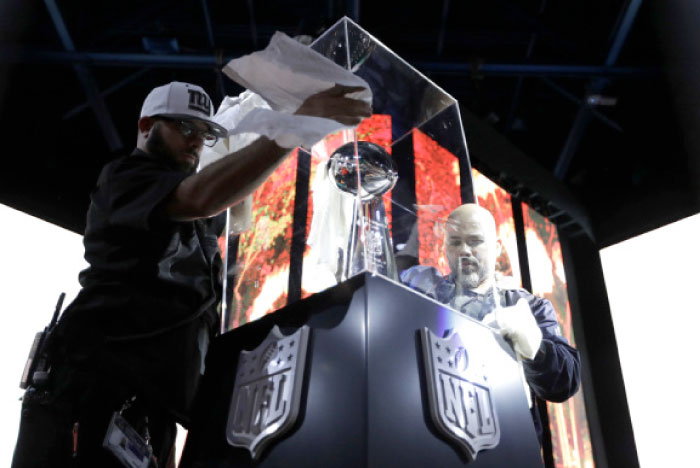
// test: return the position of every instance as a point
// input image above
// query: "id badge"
(126, 444)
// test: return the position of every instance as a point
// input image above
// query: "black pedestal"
(365, 390)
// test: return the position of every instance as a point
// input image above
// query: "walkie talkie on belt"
(36, 370)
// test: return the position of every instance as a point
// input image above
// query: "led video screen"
(571, 441)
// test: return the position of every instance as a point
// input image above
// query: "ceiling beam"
(583, 116)
(494, 155)
(86, 79)
(527, 69)
(10, 54)
(103, 94)
(622, 30)
(443, 27)
(253, 24)
(212, 43)
(569, 96)
(515, 102)
(353, 8)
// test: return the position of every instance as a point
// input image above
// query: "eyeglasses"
(188, 129)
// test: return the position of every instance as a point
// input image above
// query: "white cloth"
(288, 130)
(285, 74)
(229, 115)
(519, 325)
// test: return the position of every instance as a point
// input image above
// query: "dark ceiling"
(581, 87)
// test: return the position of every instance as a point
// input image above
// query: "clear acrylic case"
(312, 227)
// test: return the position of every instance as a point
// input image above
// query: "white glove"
(519, 325)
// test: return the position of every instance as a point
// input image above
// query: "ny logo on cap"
(199, 101)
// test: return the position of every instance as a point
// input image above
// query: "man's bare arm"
(229, 180)
(225, 182)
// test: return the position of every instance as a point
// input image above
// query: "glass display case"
(312, 226)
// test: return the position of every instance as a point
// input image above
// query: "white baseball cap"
(179, 100)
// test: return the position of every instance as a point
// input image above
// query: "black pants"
(64, 425)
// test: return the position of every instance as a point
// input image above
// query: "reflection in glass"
(261, 267)
(499, 203)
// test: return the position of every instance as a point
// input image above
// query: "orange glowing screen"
(492, 197)
(263, 252)
(571, 441)
(437, 194)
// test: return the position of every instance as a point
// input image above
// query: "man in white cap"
(127, 354)
(551, 366)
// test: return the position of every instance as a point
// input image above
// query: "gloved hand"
(519, 325)
(308, 95)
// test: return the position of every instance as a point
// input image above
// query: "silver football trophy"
(369, 246)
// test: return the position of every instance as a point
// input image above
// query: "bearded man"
(127, 355)
(551, 366)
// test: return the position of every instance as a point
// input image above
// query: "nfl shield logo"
(459, 394)
(267, 390)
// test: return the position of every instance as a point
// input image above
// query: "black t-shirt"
(151, 287)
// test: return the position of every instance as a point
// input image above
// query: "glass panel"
(437, 194)
(499, 202)
(259, 264)
(407, 106)
(571, 440)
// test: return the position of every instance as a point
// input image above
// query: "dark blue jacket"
(555, 372)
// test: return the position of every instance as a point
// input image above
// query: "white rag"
(285, 74)
(230, 113)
